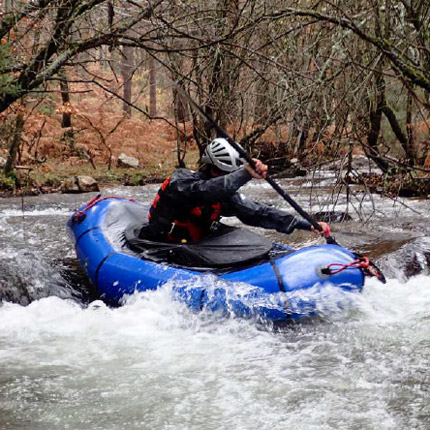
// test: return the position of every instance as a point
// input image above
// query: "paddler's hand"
(325, 229)
(260, 171)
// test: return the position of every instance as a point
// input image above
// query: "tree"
(152, 86)
(325, 75)
(62, 39)
(127, 69)
(14, 146)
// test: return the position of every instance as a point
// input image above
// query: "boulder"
(411, 259)
(87, 184)
(360, 163)
(79, 184)
(332, 216)
(70, 185)
(291, 172)
(125, 160)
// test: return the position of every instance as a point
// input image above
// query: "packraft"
(234, 271)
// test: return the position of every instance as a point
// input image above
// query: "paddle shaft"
(280, 191)
(222, 133)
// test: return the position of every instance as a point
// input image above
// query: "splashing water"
(153, 363)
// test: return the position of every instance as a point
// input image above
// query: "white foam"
(35, 212)
(155, 362)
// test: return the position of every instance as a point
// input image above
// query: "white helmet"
(222, 155)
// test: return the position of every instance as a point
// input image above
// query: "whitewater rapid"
(68, 361)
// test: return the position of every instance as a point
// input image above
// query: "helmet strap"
(215, 171)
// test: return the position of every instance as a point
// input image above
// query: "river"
(70, 362)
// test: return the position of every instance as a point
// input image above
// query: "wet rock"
(79, 184)
(87, 184)
(125, 160)
(332, 216)
(70, 185)
(360, 163)
(14, 293)
(294, 172)
(410, 260)
(291, 172)
(30, 278)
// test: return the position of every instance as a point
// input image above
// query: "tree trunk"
(300, 135)
(213, 87)
(228, 75)
(410, 146)
(66, 120)
(127, 75)
(198, 123)
(152, 86)
(262, 100)
(16, 140)
(181, 110)
(84, 57)
(375, 119)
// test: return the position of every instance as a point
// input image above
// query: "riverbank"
(45, 179)
(48, 156)
(50, 176)
(33, 183)
(394, 185)
(100, 138)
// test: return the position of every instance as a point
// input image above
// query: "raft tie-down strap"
(80, 214)
(278, 275)
(360, 263)
(99, 266)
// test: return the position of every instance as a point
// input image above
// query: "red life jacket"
(192, 224)
(152, 210)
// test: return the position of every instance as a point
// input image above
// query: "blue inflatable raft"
(275, 283)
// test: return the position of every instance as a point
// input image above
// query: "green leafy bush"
(7, 183)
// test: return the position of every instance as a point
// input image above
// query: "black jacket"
(188, 189)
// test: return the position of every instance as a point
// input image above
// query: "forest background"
(310, 81)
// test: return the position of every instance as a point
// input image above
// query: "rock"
(18, 283)
(411, 259)
(291, 172)
(87, 184)
(125, 160)
(332, 216)
(360, 163)
(2, 162)
(79, 184)
(70, 185)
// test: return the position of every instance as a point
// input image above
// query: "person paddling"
(189, 204)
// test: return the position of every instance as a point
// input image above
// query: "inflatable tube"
(274, 288)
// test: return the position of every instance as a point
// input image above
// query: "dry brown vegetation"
(81, 82)
(101, 131)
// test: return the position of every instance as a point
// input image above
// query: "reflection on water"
(69, 361)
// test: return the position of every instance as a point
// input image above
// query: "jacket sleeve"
(260, 215)
(186, 184)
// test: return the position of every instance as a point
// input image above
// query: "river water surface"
(67, 361)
